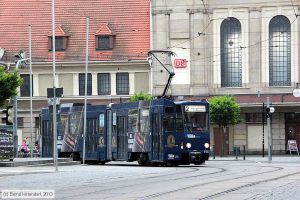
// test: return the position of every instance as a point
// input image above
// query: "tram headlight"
(206, 145)
(188, 145)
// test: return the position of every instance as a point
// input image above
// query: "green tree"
(141, 96)
(224, 111)
(9, 82)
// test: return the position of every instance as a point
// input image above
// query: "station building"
(249, 49)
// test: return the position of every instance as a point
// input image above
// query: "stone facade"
(192, 29)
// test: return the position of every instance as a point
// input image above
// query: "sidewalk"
(36, 162)
(259, 158)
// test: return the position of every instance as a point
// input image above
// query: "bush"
(141, 96)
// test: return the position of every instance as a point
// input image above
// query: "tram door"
(157, 136)
(121, 138)
(47, 138)
(109, 135)
(91, 137)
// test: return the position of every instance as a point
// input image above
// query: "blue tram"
(160, 131)
(70, 132)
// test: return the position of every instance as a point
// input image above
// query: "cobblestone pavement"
(288, 191)
(220, 178)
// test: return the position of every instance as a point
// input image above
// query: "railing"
(22, 154)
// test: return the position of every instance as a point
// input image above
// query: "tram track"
(145, 181)
(156, 195)
(215, 174)
(245, 186)
(121, 178)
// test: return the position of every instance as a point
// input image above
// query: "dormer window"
(61, 40)
(104, 38)
(104, 42)
(60, 43)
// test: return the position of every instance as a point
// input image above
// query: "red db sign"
(180, 63)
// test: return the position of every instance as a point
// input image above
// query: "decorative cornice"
(163, 12)
(199, 10)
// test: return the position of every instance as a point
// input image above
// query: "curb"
(44, 162)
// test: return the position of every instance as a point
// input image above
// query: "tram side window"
(101, 123)
(65, 123)
(76, 123)
(179, 125)
(114, 129)
(132, 121)
(179, 120)
(168, 123)
(155, 124)
(114, 123)
(168, 119)
(144, 120)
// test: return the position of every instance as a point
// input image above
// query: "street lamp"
(15, 133)
(269, 111)
(296, 92)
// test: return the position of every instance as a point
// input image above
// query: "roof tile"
(129, 21)
(104, 30)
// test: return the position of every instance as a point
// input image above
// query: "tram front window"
(195, 121)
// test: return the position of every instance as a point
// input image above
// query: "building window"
(82, 84)
(103, 84)
(36, 122)
(104, 42)
(60, 43)
(292, 117)
(256, 117)
(20, 122)
(280, 51)
(231, 53)
(25, 87)
(122, 83)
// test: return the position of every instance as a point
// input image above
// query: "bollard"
(213, 151)
(244, 152)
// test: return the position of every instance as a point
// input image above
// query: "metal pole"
(85, 87)
(269, 133)
(15, 127)
(263, 130)
(54, 95)
(214, 153)
(244, 152)
(15, 130)
(30, 78)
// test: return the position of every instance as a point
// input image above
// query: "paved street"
(222, 178)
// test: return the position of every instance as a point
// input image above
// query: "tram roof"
(202, 102)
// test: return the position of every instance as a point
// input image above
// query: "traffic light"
(269, 111)
(9, 115)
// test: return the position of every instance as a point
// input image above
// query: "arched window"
(231, 53)
(280, 51)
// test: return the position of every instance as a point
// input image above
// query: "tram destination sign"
(195, 108)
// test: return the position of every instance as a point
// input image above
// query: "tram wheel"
(75, 156)
(199, 162)
(143, 159)
(171, 164)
